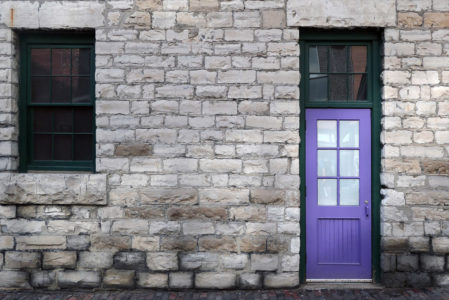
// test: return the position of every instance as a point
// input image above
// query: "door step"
(329, 285)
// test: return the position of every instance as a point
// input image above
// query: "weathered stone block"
(78, 279)
(130, 261)
(118, 278)
(281, 280)
(212, 280)
(181, 280)
(40, 242)
(95, 260)
(59, 259)
(152, 280)
(22, 260)
(264, 262)
(162, 261)
(14, 280)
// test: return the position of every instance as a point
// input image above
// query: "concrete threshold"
(341, 285)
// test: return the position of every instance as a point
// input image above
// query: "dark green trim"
(371, 38)
(54, 40)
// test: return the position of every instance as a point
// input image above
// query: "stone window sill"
(53, 188)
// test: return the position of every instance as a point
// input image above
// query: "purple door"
(338, 194)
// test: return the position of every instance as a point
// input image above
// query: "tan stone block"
(145, 243)
(394, 244)
(153, 280)
(204, 5)
(63, 259)
(403, 166)
(180, 243)
(409, 19)
(110, 243)
(273, 18)
(248, 213)
(144, 212)
(22, 260)
(263, 196)
(436, 19)
(211, 243)
(435, 167)
(253, 243)
(149, 4)
(119, 278)
(40, 242)
(188, 213)
(133, 150)
(168, 196)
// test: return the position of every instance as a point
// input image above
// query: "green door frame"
(372, 39)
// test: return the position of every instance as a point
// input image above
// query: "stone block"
(130, 261)
(203, 261)
(250, 280)
(168, 196)
(152, 280)
(78, 279)
(59, 259)
(78, 242)
(263, 196)
(179, 243)
(67, 14)
(162, 261)
(43, 279)
(407, 263)
(211, 243)
(431, 263)
(180, 280)
(40, 242)
(224, 196)
(440, 245)
(118, 278)
(95, 260)
(264, 262)
(14, 280)
(130, 227)
(281, 280)
(6, 242)
(212, 280)
(189, 213)
(110, 243)
(144, 243)
(198, 228)
(22, 260)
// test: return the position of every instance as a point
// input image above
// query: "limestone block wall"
(197, 113)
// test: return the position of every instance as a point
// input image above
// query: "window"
(57, 124)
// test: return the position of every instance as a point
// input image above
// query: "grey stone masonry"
(197, 145)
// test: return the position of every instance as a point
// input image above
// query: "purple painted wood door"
(338, 194)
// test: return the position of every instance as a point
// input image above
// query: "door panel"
(338, 194)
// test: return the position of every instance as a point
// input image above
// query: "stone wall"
(197, 106)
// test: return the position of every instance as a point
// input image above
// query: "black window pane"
(83, 147)
(357, 63)
(40, 89)
(42, 120)
(338, 87)
(80, 89)
(81, 61)
(60, 61)
(338, 59)
(40, 61)
(318, 87)
(318, 59)
(60, 89)
(63, 146)
(83, 120)
(63, 120)
(358, 86)
(42, 147)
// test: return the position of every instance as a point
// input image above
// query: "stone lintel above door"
(341, 13)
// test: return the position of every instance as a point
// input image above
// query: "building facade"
(223, 143)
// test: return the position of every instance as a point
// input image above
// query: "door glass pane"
(327, 133)
(63, 146)
(327, 162)
(338, 87)
(40, 89)
(318, 87)
(80, 89)
(60, 61)
(318, 59)
(60, 89)
(327, 192)
(357, 63)
(42, 147)
(42, 120)
(80, 61)
(40, 61)
(349, 134)
(83, 147)
(349, 163)
(63, 120)
(349, 192)
(338, 59)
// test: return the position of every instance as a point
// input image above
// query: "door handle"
(366, 211)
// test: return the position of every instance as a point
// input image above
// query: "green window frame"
(370, 38)
(57, 134)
